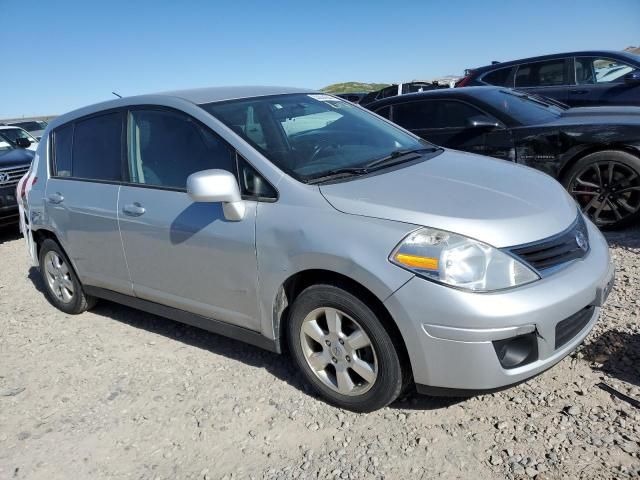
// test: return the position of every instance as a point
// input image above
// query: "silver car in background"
(295, 220)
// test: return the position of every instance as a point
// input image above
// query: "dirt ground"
(116, 393)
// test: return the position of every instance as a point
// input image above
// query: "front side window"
(433, 114)
(542, 74)
(97, 148)
(165, 147)
(311, 135)
(595, 70)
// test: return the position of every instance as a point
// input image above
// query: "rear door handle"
(133, 209)
(578, 92)
(55, 198)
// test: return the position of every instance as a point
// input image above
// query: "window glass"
(252, 183)
(416, 115)
(97, 149)
(166, 147)
(62, 138)
(389, 91)
(541, 74)
(309, 136)
(592, 70)
(13, 134)
(453, 114)
(497, 77)
(384, 112)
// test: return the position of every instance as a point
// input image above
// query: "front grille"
(10, 176)
(570, 327)
(552, 252)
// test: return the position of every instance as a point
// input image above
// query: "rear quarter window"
(497, 77)
(62, 142)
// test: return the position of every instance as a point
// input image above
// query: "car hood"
(494, 201)
(599, 116)
(16, 157)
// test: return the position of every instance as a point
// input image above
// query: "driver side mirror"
(482, 121)
(217, 186)
(23, 142)
(632, 78)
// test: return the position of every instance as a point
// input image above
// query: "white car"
(14, 136)
(34, 127)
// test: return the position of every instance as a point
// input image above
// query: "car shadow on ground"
(280, 366)
(626, 239)
(617, 354)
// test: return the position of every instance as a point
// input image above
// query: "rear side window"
(165, 147)
(542, 74)
(62, 140)
(497, 77)
(97, 148)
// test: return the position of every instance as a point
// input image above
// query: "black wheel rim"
(608, 192)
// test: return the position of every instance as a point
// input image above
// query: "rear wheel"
(606, 185)
(343, 349)
(61, 285)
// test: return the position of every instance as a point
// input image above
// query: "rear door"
(446, 123)
(549, 78)
(600, 81)
(82, 198)
(180, 253)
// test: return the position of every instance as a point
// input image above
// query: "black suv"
(14, 163)
(578, 79)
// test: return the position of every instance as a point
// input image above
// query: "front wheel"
(343, 350)
(606, 185)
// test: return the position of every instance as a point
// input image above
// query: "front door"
(181, 253)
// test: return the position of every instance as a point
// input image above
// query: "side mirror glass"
(632, 78)
(482, 121)
(217, 186)
(23, 142)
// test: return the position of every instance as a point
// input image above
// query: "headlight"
(460, 261)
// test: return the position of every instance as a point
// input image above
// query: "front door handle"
(133, 209)
(55, 198)
(578, 92)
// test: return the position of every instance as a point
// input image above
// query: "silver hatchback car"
(295, 220)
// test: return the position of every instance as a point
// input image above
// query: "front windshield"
(31, 126)
(524, 108)
(12, 134)
(309, 136)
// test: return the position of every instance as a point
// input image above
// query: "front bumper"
(8, 205)
(449, 333)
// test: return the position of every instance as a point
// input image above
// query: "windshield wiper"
(395, 157)
(399, 154)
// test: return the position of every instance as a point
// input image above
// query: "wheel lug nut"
(341, 341)
(328, 343)
(334, 360)
(348, 358)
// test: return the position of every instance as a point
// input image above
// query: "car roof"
(195, 96)
(441, 92)
(583, 53)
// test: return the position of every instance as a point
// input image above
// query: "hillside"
(635, 50)
(348, 87)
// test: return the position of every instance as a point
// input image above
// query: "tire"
(346, 357)
(606, 185)
(61, 285)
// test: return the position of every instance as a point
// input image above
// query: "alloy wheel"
(608, 192)
(339, 351)
(58, 277)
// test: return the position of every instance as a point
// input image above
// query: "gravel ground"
(116, 393)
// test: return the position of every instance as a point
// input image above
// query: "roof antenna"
(117, 94)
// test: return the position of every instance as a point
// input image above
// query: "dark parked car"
(594, 152)
(578, 79)
(14, 163)
(400, 89)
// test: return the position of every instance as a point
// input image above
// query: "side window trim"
(72, 123)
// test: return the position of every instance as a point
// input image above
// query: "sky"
(64, 54)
